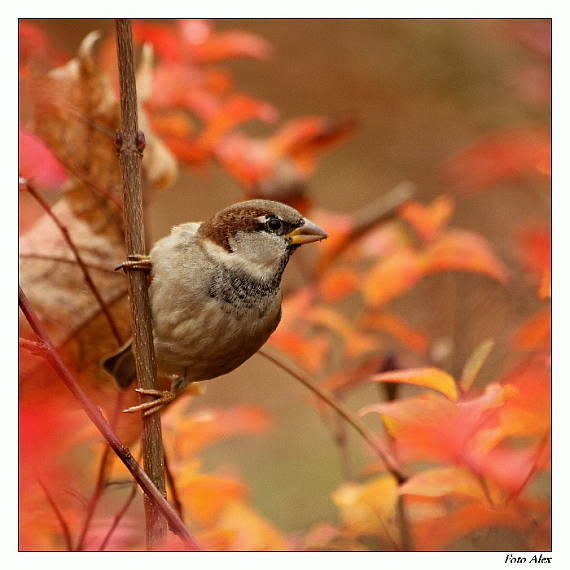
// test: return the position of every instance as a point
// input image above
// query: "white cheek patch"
(258, 255)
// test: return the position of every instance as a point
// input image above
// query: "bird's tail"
(121, 365)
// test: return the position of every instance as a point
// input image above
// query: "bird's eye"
(274, 225)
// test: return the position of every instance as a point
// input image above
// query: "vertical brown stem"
(130, 146)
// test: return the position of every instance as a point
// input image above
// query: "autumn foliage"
(472, 455)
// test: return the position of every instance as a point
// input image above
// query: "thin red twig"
(32, 346)
(104, 428)
(173, 489)
(58, 514)
(67, 237)
(118, 517)
(389, 461)
(101, 475)
(62, 259)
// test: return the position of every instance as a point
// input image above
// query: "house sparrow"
(215, 293)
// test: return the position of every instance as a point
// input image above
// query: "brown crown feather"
(242, 216)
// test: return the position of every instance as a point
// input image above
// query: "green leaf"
(475, 363)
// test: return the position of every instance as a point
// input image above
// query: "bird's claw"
(136, 261)
(164, 397)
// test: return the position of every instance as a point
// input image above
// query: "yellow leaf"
(250, 530)
(433, 378)
(474, 364)
(369, 508)
(392, 276)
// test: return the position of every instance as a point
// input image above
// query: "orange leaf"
(195, 431)
(356, 342)
(337, 283)
(392, 276)
(393, 325)
(250, 530)
(528, 411)
(173, 122)
(534, 333)
(438, 532)
(461, 250)
(207, 495)
(427, 221)
(433, 378)
(443, 481)
(308, 352)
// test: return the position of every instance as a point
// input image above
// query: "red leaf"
(533, 34)
(231, 45)
(35, 45)
(234, 111)
(304, 139)
(283, 160)
(534, 245)
(431, 427)
(37, 162)
(195, 41)
(498, 157)
(164, 40)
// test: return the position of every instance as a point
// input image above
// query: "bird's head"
(258, 236)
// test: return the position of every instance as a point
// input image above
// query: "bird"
(215, 293)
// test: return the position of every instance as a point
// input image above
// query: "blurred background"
(421, 91)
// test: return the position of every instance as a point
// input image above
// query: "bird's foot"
(136, 261)
(164, 397)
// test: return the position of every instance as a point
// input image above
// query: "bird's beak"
(307, 233)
